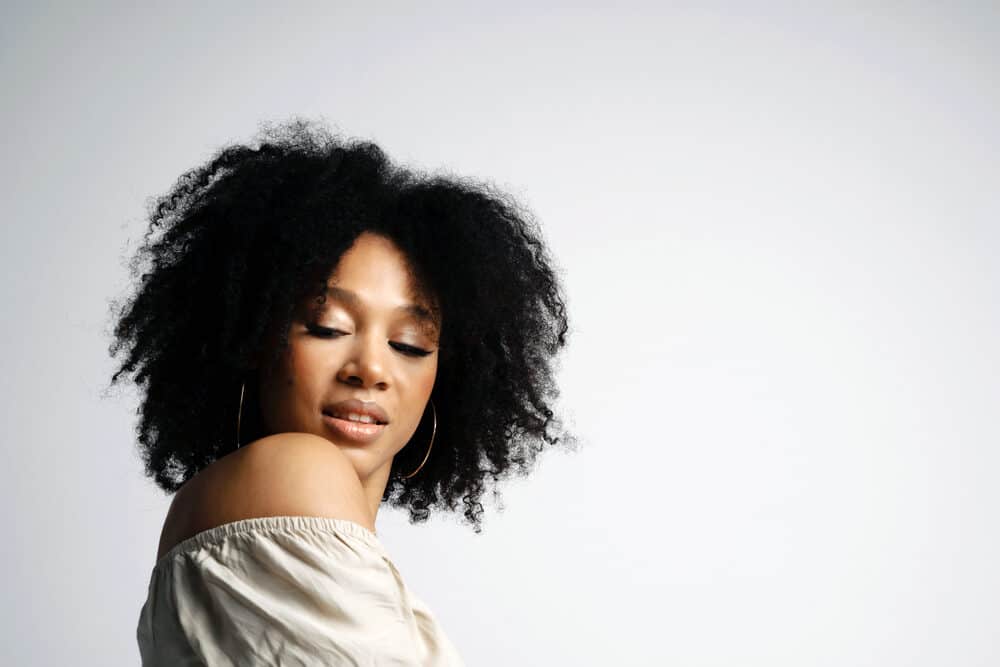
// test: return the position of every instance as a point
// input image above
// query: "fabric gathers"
(286, 590)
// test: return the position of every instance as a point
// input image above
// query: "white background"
(778, 232)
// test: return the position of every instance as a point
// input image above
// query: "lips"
(343, 409)
(350, 431)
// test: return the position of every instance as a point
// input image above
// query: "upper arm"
(292, 474)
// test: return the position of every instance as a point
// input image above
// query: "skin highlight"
(371, 354)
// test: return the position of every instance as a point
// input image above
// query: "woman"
(318, 331)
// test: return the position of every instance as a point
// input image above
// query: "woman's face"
(366, 342)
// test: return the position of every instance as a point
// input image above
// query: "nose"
(365, 364)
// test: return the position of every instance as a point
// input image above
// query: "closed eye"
(323, 332)
(326, 332)
(410, 350)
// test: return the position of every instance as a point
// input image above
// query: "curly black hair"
(239, 241)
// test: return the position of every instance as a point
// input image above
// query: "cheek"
(294, 374)
(307, 364)
(419, 394)
(426, 381)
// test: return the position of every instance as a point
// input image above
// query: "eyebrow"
(412, 309)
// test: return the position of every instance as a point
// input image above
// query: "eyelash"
(408, 350)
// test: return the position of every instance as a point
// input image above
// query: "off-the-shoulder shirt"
(286, 590)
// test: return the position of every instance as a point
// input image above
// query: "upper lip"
(355, 406)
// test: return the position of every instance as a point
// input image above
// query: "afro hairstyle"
(238, 242)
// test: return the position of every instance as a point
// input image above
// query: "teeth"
(367, 419)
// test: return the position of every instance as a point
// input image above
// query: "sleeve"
(302, 596)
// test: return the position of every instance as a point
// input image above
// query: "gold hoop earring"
(239, 415)
(433, 432)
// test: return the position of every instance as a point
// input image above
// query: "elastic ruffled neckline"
(270, 523)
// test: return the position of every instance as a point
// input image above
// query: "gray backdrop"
(778, 231)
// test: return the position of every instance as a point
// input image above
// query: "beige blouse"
(286, 590)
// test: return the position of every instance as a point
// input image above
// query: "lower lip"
(356, 431)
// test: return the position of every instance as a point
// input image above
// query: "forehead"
(375, 273)
(413, 309)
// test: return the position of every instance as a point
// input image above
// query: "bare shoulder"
(286, 474)
(297, 474)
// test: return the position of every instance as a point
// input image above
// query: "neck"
(374, 487)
